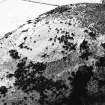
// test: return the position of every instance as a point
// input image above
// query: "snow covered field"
(14, 13)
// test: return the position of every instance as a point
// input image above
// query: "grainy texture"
(55, 59)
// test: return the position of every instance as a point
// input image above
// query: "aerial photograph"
(52, 52)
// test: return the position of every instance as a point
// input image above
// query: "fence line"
(41, 2)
